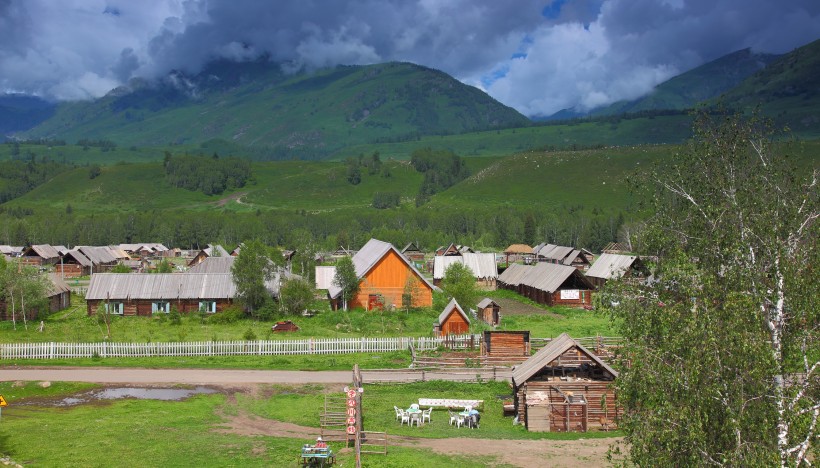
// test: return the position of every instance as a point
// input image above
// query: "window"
(114, 308)
(207, 306)
(163, 307)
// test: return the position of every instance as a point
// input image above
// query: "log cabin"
(565, 387)
(548, 283)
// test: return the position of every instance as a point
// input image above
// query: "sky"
(538, 57)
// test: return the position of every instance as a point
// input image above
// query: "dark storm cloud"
(538, 56)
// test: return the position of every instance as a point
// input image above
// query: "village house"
(507, 347)
(578, 258)
(613, 266)
(565, 387)
(58, 295)
(384, 276)
(73, 264)
(452, 320)
(482, 265)
(209, 251)
(146, 294)
(39, 255)
(548, 283)
(414, 254)
(11, 251)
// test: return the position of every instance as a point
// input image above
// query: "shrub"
(230, 315)
(249, 334)
(174, 317)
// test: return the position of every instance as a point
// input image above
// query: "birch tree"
(723, 343)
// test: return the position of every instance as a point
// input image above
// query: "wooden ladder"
(333, 419)
(373, 442)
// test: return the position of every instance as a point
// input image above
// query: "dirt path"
(524, 453)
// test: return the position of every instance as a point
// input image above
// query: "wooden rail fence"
(56, 350)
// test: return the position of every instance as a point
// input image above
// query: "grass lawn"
(191, 432)
(74, 325)
(301, 405)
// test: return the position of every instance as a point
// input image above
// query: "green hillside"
(787, 90)
(694, 86)
(305, 115)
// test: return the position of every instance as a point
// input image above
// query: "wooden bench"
(449, 403)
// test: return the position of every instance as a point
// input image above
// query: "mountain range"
(271, 114)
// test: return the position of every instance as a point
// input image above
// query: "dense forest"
(209, 175)
(488, 229)
(19, 176)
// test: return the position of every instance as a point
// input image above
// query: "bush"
(174, 317)
(230, 315)
(249, 335)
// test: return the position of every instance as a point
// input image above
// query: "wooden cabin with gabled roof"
(489, 311)
(40, 254)
(565, 387)
(614, 266)
(452, 320)
(548, 283)
(384, 276)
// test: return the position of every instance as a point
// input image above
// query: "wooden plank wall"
(388, 278)
(591, 390)
(143, 307)
(508, 344)
(454, 324)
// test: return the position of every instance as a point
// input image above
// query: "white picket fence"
(55, 350)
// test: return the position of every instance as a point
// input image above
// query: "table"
(312, 456)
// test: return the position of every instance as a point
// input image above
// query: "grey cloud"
(583, 53)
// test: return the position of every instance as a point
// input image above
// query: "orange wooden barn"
(385, 275)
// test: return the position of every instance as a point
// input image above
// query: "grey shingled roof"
(486, 302)
(549, 353)
(43, 251)
(611, 266)
(125, 286)
(79, 257)
(544, 276)
(98, 255)
(449, 308)
(366, 258)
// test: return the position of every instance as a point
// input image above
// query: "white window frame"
(208, 306)
(114, 308)
(160, 306)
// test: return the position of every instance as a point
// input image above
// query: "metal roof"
(43, 251)
(125, 286)
(213, 265)
(324, 276)
(366, 258)
(611, 266)
(10, 250)
(549, 353)
(449, 308)
(482, 265)
(543, 276)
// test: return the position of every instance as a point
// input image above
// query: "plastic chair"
(405, 417)
(398, 412)
(426, 414)
(459, 421)
(415, 417)
(453, 417)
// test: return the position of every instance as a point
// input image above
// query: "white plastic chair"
(405, 417)
(453, 417)
(459, 421)
(398, 412)
(425, 415)
(415, 417)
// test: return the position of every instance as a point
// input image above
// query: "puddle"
(165, 394)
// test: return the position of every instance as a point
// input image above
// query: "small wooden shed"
(452, 320)
(565, 387)
(489, 311)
